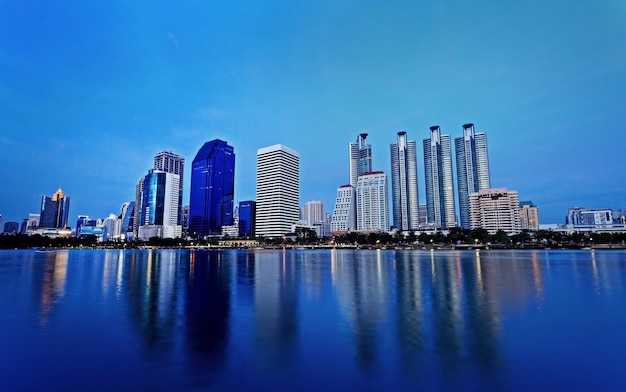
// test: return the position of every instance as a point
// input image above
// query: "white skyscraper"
(438, 177)
(372, 195)
(404, 183)
(170, 162)
(360, 158)
(344, 215)
(277, 190)
(472, 168)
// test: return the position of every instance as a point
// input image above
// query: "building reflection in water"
(52, 283)
(276, 307)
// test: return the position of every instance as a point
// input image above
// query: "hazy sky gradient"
(90, 92)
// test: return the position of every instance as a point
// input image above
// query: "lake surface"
(312, 320)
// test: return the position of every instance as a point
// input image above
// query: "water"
(312, 320)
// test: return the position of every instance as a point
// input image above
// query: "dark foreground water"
(312, 320)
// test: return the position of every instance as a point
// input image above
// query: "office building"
(472, 168)
(277, 190)
(404, 183)
(127, 216)
(372, 205)
(344, 214)
(314, 214)
(438, 177)
(594, 218)
(158, 215)
(54, 210)
(11, 227)
(495, 209)
(212, 189)
(247, 218)
(529, 216)
(170, 162)
(138, 207)
(360, 158)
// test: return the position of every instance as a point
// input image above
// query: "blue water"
(311, 320)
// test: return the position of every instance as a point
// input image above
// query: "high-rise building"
(247, 218)
(344, 215)
(212, 189)
(404, 183)
(495, 209)
(529, 215)
(127, 215)
(54, 210)
(472, 168)
(277, 190)
(372, 202)
(138, 207)
(158, 216)
(170, 162)
(314, 214)
(11, 227)
(360, 158)
(438, 176)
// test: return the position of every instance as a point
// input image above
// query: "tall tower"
(404, 183)
(158, 216)
(277, 190)
(212, 189)
(170, 162)
(54, 210)
(438, 175)
(360, 158)
(472, 168)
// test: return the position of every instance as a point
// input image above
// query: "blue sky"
(90, 92)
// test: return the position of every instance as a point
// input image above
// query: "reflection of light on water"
(537, 279)
(479, 273)
(149, 269)
(432, 265)
(192, 263)
(53, 285)
(379, 271)
(120, 277)
(594, 266)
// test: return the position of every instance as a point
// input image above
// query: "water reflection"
(52, 283)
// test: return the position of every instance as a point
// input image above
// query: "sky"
(91, 91)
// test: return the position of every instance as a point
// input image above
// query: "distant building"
(158, 215)
(212, 189)
(277, 190)
(372, 202)
(404, 183)
(11, 227)
(112, 228)
(54, 210)
(186, 219)
(423, 214)
(1, 225)
(529, 215)
(589, 218)
(472, 168)
(127, 216)
(138, 207)
(438, 177)
(344, 214)
(495, 209)
(314, 214)
(170, 162)
(247, 218)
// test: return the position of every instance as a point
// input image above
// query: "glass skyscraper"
(247, 216)
(212, 189)
(472, 168)
(54, 210)
(438, 176)
(158, 215)
(404, 183)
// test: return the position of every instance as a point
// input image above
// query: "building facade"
(440, 205)
(495, 209)
(529, 216)
(158, 215)
(212, 189)
(372, 202)
(54, 210)
(472, 168)
(344, 215)
(170, 162)
(277, 190)
(360, 158)
(593, 218)
(247, 218)
(404, 183)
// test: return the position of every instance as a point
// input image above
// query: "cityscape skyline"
(83, 110)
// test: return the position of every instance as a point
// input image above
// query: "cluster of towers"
(362, 205)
